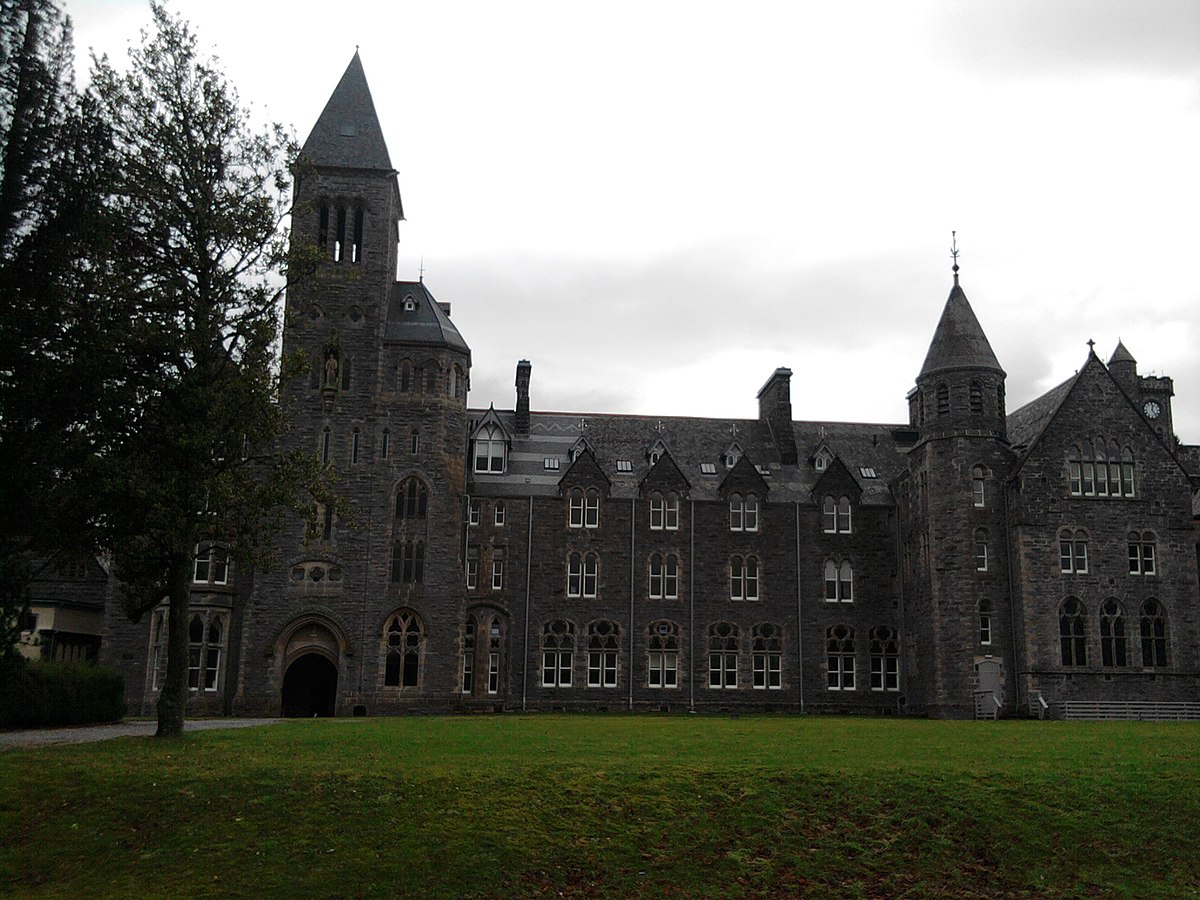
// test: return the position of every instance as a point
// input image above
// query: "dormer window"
(732, 454)
(578, 447)
(822, 459)
(490, 450)
(654, 454)
(410, 304)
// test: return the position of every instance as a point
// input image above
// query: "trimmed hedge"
(39, 694)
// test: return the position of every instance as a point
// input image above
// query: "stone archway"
(311, 651)
(310, 687)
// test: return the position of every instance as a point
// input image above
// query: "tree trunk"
(174, 695)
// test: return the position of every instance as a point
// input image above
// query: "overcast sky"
(660, 203)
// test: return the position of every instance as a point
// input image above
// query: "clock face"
(1152, 409)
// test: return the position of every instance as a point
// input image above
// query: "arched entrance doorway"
(310, 687)
(310, 651)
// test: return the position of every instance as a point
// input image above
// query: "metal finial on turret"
(954, 254)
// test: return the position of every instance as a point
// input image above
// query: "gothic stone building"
(967, 561)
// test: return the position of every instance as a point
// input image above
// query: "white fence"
(1130, 709)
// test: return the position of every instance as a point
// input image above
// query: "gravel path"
(82, 734)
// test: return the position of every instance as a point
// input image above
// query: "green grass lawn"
(612, 806)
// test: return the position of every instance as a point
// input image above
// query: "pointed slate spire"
(958, 341)
(1121, 355)
(347, 134)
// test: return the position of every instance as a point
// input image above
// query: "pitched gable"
(838, 481)
(744, 478)
(665, 475)
(585, 471)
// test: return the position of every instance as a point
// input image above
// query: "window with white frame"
(558, 650)
(468, 656)
(664, 512)
(497, 570)
(211, 566)
(743, 512)
(1141, 553)
(839, 658)
(978, 484)
(490, 450)
(743, 578)
(472, 568)
(206, 643)
(664, 577)
(723, 639)
(1072, 551)
(981, 550)
(885, 659)
(663, 655)
(839, 582)
(1100, 469)
(583, 508)
(603, 651)
(474, 511)
(582, 574)
(835, 515)
(766, 652)
(985, 623)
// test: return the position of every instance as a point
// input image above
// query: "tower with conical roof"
(952, 522)
(354, 618)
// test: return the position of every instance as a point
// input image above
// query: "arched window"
(943, 399)
(835, 515)
(323, 227)
(582, 574)
(1072, 551)
(977, 486)
(766, 653)
(452, 383)
(976, 398)
(1072, 633)
(356, 248)
(206, 641)
(1141, 553)
(722, 656)
(432, 371)
(743, 578)
(839, 582)
(490, 450)
(603, 651)
(405, 376)
(839, 658)
(408, 562)
(385, 441)
(412, 500)
(743, 512)
(326, 439)
(664, 512)
(885, 659)
(1103, 469)
(1153, 624)
(583, 508)
(981, 550)
(662, 648)
(558, 651)
(414, 441)
(355, 442)
(1112, 634)
(402, 644)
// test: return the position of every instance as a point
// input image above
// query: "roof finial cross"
(954, 254)
(421, 272)
(1091, 346)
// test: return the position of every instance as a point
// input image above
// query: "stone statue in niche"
(331, 368)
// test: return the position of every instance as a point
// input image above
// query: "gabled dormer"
(743, 478)
(665, 475)
(732, 454)
(821, 457)
(490, 443)
(582, 445)
(837, 480)
(656, 451)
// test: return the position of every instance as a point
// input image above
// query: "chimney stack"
(522, 419)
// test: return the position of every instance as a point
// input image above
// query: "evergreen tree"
(199, 200)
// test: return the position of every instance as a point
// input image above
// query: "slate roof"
(958, 341)
(347, 133)
(691, 442)
(428, 324)
(1121, 354)
(1026, 423)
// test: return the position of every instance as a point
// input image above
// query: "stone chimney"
(775, 408)
(522, 419)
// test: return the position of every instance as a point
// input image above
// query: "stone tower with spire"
(952, 521)
(353, 615)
